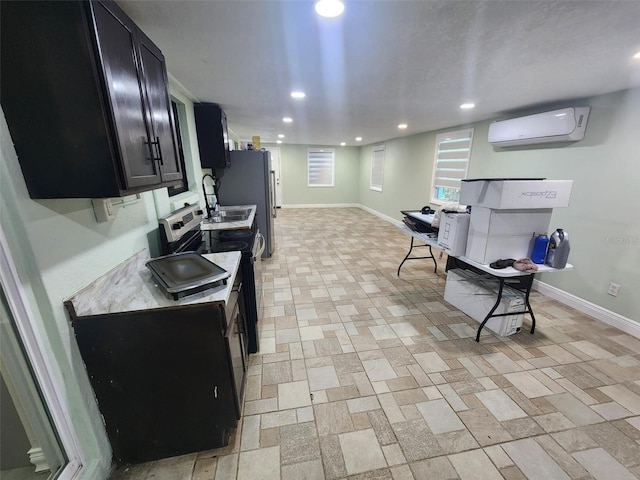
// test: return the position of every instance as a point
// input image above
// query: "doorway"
(275, 166)
(36, 441)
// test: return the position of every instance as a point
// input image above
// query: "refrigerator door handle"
(273, 194)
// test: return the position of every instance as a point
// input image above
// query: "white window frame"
(458, 166)
(315, 159)
(376, 180)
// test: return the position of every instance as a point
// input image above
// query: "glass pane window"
(451, 164)
(321, 167)
(377, 168)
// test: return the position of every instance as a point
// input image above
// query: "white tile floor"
(366, 375)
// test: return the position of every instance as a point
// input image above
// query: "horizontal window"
(453, 150)
(320, 167)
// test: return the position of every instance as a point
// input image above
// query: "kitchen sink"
(236, 215)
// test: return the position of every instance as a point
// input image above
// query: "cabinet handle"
(157, 142)
(154, 157)
(239, 289)
(215, 391)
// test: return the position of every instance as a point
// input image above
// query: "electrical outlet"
(613, 289)
(103, 209)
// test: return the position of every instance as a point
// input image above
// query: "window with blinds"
(320, 167)
(453, 150)
(377, 168)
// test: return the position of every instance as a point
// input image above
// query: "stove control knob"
(177, 225)
(199, 212)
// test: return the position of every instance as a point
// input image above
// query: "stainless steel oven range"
(180, 232)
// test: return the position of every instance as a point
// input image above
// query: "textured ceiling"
(388, 62)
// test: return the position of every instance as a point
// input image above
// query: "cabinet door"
(156, 85)
(211, 128)
(237, 356)
(116, 40)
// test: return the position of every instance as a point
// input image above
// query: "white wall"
(602, 220)
(293, 175)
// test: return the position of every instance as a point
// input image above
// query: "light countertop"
(240, 225)
(130, 287)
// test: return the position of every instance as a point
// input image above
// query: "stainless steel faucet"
(209, 207)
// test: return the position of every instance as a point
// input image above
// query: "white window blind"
(453, 150)
(377, 168)
(320, 167)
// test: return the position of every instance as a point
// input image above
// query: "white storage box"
(452, 235)
(515, 194)
(496, 234)
(475, 295)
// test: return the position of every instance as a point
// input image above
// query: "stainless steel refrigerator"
(249, 180)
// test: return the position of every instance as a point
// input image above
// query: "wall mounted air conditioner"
(564, 125)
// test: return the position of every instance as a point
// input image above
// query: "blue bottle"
(540, 249)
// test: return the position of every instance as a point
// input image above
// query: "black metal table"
(521, 281)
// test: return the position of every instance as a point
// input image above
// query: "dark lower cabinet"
(86, 98)
(168, 381)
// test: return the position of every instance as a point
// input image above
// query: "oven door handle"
(188, 241)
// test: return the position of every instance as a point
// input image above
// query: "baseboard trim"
(599, 313)
(381, 215)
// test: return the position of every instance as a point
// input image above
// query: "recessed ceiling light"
(329, 8)
(298, 95)
(278, 141)
(402, 126)
(342, 144)
(358, 139)
(637, 55)
(467, 106)
(281, 135)
(287, 119)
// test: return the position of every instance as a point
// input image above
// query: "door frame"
(45, 370)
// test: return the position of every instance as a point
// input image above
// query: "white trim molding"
(381, 215)
(599, 313)
(45, 370)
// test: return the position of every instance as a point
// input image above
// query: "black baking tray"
(182, 274)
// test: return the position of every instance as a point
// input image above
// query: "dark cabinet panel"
(164, 379)
(86, 100)
(213, 142)
(160, 111)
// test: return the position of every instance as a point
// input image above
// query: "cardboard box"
(476, 295)
(453, 232)
(516, 194)
(496, 234)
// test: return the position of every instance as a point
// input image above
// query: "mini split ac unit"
(564, 125)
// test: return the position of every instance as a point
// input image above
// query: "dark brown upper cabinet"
(213, 142)
(86, 98)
